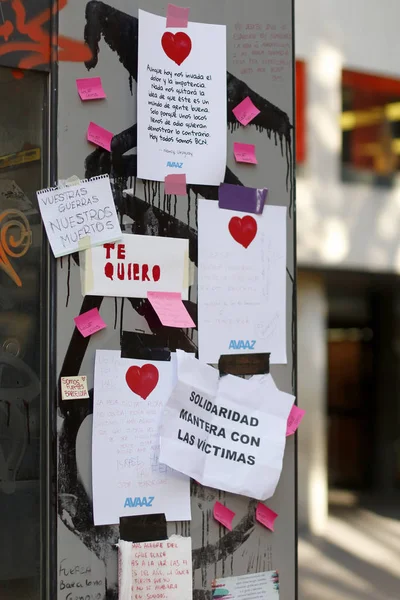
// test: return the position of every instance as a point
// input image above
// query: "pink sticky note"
(177, 16)
(295, 417)
(90, 88)
(245, 112)
(223, 515)
(175, 184)
(245, 153)
(89, 322)
(170, 309)
(99, 136)
(265, 516)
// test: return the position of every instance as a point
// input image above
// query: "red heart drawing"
(142, 380)
(176, 46)
(243, 230)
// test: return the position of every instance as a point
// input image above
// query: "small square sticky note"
(90, 88)
(223, 515)
(245, 112)
(175, 184)
(170, 309)
(245, 153)
(89, 322)
(99, 136)
(74, 388)
(265, 516)
(295, 417)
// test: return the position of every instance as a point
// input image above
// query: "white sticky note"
(74, 387)
(76, 212)
(135, 265)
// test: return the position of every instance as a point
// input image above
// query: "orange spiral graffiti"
(15, 240)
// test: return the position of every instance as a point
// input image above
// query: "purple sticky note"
(245, 112)
(177, 16)
(223, 515)
(175, 184)
(90, 88)
(295, 417)
(265, 516)
(170, 309)
(89, 322)
(245, 153)
(99, 136)
(245, 199)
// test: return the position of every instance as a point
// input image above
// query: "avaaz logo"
(174, 165)
(242, 344)
(133, 502)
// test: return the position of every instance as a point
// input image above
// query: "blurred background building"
(348, 219)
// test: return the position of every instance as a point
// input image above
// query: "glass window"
(22, 101)
(370, 124)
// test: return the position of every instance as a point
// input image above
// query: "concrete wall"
(347, 225)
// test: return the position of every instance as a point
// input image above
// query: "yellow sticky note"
(74, 388)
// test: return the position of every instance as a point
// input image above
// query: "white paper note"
(181, 107)
(79, 214)
(128, 478)
(254, 586)
(154, 570)
(226, 433)
(135, 265)
(242, 282)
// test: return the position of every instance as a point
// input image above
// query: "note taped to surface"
(227, 433)
(242, 282)
(74, 387)
(181, 101)
(85, 210)
(167, 565)
(128, 478)
(136, 265)
(254, 586)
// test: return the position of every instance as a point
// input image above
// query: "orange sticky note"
(170, 309)
(265, 516)
(175, 184)
(223, 515)
(99, 136)
(245, 153)
(89, 322)
(74, 388)
(90, 88)
(245, 112)
(295, 417)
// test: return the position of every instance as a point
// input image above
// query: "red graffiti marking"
(40, 48)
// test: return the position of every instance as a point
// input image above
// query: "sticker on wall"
(136, 265)
(182, 110)
(242, 282)
(128, 477)
(77, 214)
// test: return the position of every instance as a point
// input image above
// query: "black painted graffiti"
(153, 215)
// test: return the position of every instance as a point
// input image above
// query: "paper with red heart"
(129, 399)
(181, 101)
(243, 230)
(142, 380)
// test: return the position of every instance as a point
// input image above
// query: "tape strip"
(244, 199)
(85, 261)
(177, 16)
(175, 184)
(244, 364)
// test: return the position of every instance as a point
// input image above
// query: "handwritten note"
(175, 185)
(181, 101)
(170, 309)
(89, 322)
(254, 586)
(99, 136)
(90, 88)
(242, 282)
(265, 516)
(245, 112)
(128, 478)
(245, 153)
(177, 16)
(223, 515)
(294, 420)
(161, 569)
(74, 388)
